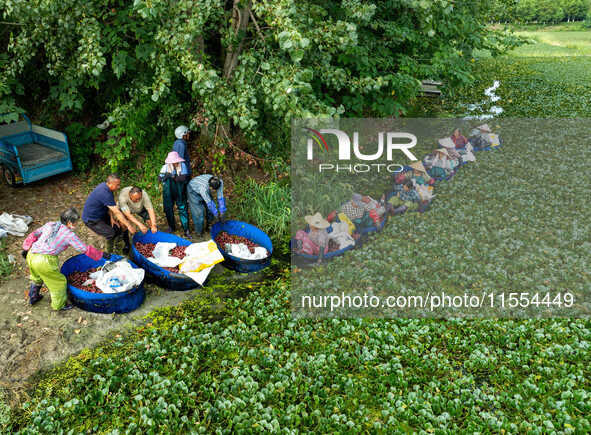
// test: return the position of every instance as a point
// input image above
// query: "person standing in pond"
(100, 211)
(133, 200)
(173, 176)
(200, 193)
(41, 249)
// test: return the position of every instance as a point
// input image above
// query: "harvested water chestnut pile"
(223, 237)
(78, 278)
(146, 250)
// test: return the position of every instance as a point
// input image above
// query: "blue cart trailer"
(29, 152)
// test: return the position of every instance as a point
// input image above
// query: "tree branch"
(256, 24)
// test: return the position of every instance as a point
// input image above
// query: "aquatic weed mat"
(508, 236)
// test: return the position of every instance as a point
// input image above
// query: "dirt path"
(37, 337)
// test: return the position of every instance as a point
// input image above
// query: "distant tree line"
(541, 11)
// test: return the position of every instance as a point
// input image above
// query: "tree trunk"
(240, 18)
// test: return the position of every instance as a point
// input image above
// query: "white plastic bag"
(121, 278)
(240, 250)
(160, 256)
(14, 224)
(340, 234)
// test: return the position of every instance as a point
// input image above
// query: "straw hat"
(443, 150)
(418, 166)
(357, 199)
(484, 127)
(317, 221)
(447, 143)
(173, 157)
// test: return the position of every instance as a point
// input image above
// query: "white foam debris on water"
(492, 98)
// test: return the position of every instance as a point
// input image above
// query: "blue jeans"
(198, 209)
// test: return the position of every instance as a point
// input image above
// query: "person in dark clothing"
(100, 211)
(173, 176)
(180, 146)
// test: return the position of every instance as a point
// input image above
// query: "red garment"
(459, 141)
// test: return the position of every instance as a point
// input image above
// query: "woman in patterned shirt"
(315, 241)
(41, 249)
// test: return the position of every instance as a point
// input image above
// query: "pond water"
(492, 111)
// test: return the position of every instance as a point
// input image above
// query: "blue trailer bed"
(29, 152)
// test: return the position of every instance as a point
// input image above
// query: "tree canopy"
(238, 66)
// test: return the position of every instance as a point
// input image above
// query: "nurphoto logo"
(386, 141)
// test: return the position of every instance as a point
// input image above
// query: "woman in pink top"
(41, 249)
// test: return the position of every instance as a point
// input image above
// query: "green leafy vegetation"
(82, 142)
(531, 87)
(6, 266)
(541, 12)
(265, 205)
(498, 225)
(260, 370)
(236, 71)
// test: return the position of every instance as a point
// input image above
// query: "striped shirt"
(200, 185)
(43, 242)
(353, 212)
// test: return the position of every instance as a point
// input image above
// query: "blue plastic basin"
(166, 279)
(105, 303)
(253, 234)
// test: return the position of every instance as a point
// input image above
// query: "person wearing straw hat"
(316, 240)
(440, 165)
(406, 198)
(418, 174)
(173, 176)
(449, 145)
(362, 214)
(484, 137)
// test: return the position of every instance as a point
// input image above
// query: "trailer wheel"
(8, 176)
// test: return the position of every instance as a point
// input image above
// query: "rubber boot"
(109, 245)
(34, 295)
(125, 237)
(400, 210)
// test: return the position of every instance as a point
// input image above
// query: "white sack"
(121, 278)
(15, 224)
(162, 258)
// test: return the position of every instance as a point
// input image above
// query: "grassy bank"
(554, 43)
